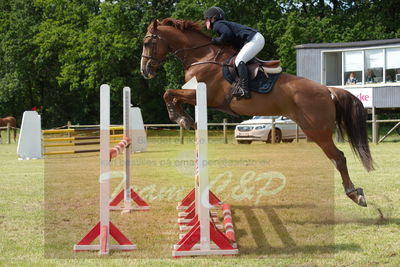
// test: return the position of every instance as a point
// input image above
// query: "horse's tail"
(351, 118)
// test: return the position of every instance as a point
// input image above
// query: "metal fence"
(225, 129)
(181, 139)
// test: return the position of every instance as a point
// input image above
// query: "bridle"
(153, 51)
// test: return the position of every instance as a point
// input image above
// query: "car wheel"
(247, 142)
(278, 136)
(287, 140)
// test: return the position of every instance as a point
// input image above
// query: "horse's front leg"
(174, 98)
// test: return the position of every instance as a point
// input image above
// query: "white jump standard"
(105, 228)
(128, 195)
(204, 236)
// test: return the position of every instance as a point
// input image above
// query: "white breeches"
(250, 49)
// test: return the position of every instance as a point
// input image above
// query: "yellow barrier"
(70, 152)
(60, 139)
(55, 131)
(78, 144)
(70, 141)
(59, 152)
(58, 131)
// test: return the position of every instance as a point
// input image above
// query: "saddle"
(262, 74)
(254, 65)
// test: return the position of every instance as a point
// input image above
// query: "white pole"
(128, 150)
(104, 230)
(104, 169)
(198, 240)
(9, 133)
(202, 197)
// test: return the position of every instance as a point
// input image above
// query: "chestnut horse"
(316, 108)
(13, 123)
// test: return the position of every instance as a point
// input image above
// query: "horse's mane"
(182, 25)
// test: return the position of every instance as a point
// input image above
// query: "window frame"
(363, 49)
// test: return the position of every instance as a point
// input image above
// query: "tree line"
(55, 54)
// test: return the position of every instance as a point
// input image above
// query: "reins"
(209, 62)
(153, 51)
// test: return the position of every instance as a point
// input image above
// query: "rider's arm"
(225, 34)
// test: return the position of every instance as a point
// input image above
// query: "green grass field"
(301, 217)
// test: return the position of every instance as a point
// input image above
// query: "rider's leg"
(248, 51)
(243, 81)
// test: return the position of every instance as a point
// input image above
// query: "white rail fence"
(225, 125)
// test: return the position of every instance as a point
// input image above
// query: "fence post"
(181, 134)
(224, 128)
(377, 128)
(374, 126)
(8, 133)
(69, 127)
(297, 133)
(273, 131)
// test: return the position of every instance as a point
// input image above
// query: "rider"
(249, 41)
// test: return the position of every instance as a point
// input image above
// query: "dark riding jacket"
(233, 33)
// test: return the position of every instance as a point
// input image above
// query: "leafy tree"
(19, 89)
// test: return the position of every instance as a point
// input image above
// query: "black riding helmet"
(214, 12)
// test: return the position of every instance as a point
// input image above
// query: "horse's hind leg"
(174, 98)
(324, 140)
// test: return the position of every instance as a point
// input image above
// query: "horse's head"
(155, 50)
(182, 38)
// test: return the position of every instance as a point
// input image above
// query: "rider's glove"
(215, 41)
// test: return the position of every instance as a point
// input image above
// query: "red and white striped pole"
(228, 224)
(127, 195)
(119, 148)
(203, 236)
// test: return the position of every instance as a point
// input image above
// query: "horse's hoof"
(186, 123)
(357, 195)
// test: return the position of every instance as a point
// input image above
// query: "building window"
(392, 65)
(374, 62)
(353, 67)
(359, 67)
(332, 74)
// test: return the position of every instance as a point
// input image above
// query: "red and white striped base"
(222, 235)
(123, 241)
(141, 205)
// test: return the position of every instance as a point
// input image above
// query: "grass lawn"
(288, 206)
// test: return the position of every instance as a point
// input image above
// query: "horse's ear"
(155, 24)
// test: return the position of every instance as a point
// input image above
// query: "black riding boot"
(242, 90)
